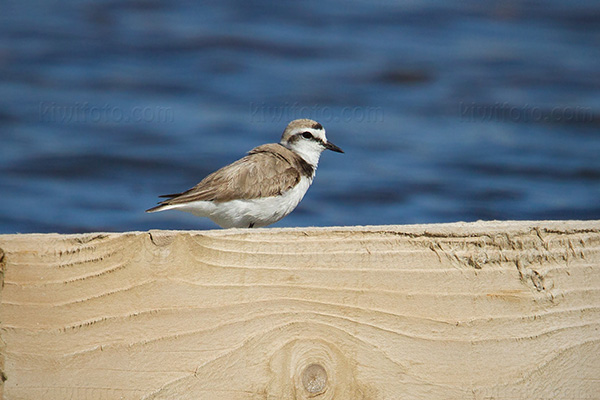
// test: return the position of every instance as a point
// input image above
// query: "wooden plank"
(487, 310)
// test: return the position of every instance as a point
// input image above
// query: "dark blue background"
(447, 110)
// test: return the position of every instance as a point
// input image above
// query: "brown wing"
(267, 170)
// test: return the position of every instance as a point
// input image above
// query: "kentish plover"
(262, 187)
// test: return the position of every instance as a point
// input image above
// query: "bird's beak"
(333, 147)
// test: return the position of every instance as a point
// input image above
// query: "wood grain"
(488, 310)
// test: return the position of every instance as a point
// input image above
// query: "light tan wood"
(488, 310)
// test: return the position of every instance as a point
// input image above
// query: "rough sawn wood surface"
(486, 310)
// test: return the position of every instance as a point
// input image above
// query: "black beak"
(333, 147)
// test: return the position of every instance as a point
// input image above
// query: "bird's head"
(306, 138)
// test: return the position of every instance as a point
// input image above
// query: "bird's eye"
(307, 135)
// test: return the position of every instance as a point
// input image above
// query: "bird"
(261, 188)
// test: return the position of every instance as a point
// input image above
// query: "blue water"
(447, 110)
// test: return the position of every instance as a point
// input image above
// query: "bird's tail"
(162, 207)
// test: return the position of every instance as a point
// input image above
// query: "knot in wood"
(314, 378)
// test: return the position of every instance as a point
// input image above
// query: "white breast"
(244, 213)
